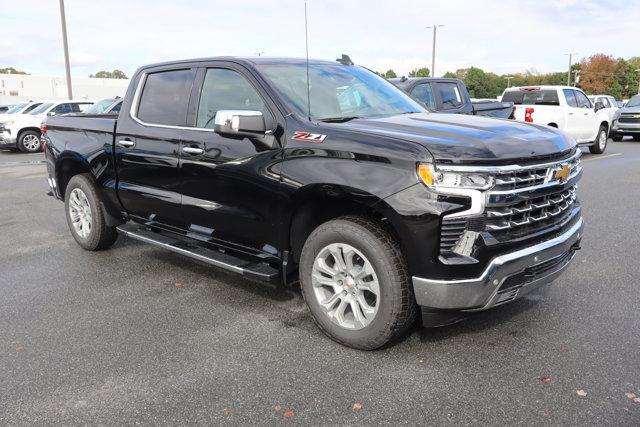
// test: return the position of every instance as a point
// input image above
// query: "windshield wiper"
(338, 119)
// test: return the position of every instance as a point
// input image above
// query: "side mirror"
(598, 106)
(240, 123)
(51, 113)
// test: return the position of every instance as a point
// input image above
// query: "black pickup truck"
(451, 96)
(380, 209)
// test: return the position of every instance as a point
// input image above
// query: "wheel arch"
(66, 168)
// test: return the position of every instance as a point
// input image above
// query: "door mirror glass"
(598, 106)
(240, 123)
(51, 113)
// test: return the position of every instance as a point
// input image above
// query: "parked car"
(105, 106)
(22, 131)
(629, 122)
(376, 205)
(22, 108)
(450, 96)
(563, 107)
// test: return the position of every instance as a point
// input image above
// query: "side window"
(81, 107)
(165, 97)
(450, 95)
(29, 108)
(116, 108)
(62, 109)
(571, 99)
(605, 102)
(424, 93)
(582, 99)
(225, 89)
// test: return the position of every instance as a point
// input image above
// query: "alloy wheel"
(80, 212)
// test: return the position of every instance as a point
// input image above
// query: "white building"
(15, 88)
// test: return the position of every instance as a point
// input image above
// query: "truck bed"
(82, 131)
(501, 110)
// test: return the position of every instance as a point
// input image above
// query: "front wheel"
(29, 142)
(600, 142)
(354, 280)
(84, 215)
(616, 138)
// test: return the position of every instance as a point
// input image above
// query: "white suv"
(22, 131)
(564, 107)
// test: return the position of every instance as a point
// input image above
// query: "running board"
(192, 249)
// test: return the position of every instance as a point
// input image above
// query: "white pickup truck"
(563, 107)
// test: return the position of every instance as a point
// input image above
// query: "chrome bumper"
(485, 291)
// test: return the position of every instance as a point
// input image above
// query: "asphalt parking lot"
(138, 335)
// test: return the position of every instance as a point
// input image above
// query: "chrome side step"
(194, 249)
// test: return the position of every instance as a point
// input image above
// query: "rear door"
(574, 125)
(147, 146)
(230, 192)
(587, 121)
(449, 97)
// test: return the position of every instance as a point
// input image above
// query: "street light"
(508, 80)
(638, 71)
(433, 51)
(66, 49)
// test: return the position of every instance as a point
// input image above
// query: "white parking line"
(601, 157)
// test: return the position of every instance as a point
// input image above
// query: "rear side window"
(570, 97)
(62, 109)
(450, 95)
(582, 99)
(165, 97)
(424, 93)
(30, 108)
(531, 97)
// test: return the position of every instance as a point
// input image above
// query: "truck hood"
(463, 138)
(630, 110)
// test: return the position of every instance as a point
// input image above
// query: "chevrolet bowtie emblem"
(562, 174)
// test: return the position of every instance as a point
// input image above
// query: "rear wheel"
(616, 138)
(29, 142)
(355, 282)
(636, 137)
(84, 215)
(600, 142)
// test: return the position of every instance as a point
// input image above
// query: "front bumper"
(506, 278)
(7, 140)
(625, 128)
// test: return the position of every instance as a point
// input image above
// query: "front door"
(229, 192)
(147, 148)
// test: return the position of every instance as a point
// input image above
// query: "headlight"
(440, 180)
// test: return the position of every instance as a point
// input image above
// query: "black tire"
(617, 138)
(26, 147)
(100, 235)
(597, 147)
(636, 138)
(396, 306)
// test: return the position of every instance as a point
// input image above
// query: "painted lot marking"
(602, 157)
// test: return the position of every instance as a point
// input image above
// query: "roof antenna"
(306, 42)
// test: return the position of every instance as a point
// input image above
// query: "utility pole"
(508, 80)
(433, 50)
(569, 71)
(66, 49)
(638, 71)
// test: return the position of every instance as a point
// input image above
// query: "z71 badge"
(309, 137)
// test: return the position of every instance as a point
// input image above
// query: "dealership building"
(16, 88)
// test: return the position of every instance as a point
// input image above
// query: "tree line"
(597, 74)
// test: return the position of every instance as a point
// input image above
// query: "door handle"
(125, 143)
(571, 114)
(192, 150)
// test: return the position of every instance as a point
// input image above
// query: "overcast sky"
(497, 35)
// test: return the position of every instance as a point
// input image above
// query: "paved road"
(135, 334)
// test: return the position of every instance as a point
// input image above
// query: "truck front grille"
(629, 118)
(525, 201)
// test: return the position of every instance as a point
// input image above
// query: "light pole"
(508, 80)
(638, 71)
(576, 76)
(569, 71)
(433, 51)
(66, 49)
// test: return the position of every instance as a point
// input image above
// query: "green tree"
(419, 72)
(390, 74)
(11, 70)
(115, 74)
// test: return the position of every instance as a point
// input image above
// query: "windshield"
(99, 107)
(338, 92)
(41, 109)
(634, 101)
(16, 108)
